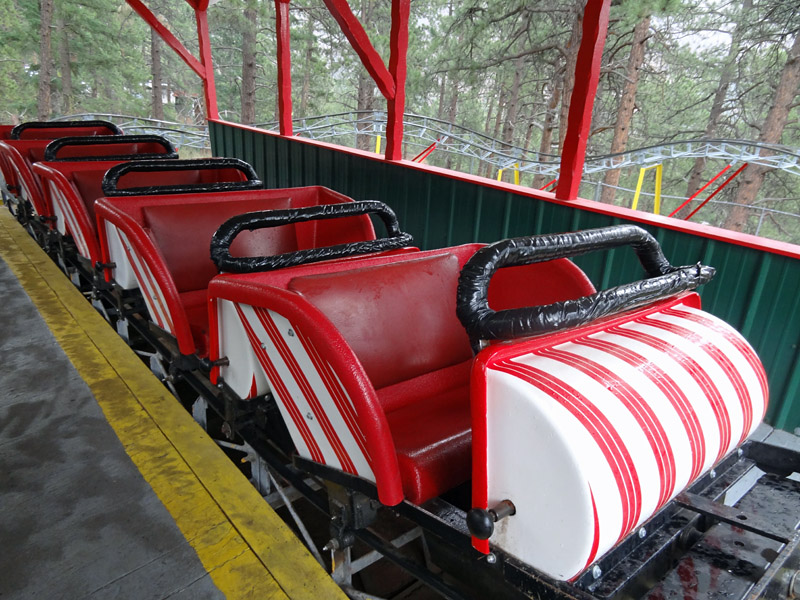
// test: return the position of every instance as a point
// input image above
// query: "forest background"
(672, 70)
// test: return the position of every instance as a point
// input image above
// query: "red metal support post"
(587, 76)
(716, 191)
(396, 106)
(698, 192)
(284, 67)
(204, 41)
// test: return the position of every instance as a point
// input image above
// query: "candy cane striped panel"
(315, 406)
(592, 436)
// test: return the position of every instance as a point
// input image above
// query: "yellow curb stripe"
(246, 548)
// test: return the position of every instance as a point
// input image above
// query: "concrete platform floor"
(77, 519)
(108, 488)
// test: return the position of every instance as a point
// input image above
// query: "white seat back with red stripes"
(590, 433)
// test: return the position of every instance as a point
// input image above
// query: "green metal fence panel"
(757, 292)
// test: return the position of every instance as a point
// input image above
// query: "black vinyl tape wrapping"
(113, 175)
(17, 131)
(482, 323)
(223, 238)
(51, 152)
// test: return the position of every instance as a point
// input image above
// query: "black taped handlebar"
(223, 238)
(483, 323)
(51, 152)
(17, 131)
(113, 175)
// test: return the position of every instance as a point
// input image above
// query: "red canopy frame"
(391, 80)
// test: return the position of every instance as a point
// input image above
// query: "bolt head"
(491, 558)
(597, 572)
(712, 473)
(642, 533)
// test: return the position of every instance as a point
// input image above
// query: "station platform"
(109, 488)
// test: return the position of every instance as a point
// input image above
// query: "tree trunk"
(157, 109)
(626, 105)
(43, 107)
(249, 26)
(725, 78)
(771, 131)
(66, 70)
(547, 132)
(513, 104)
(568, 82)
(452, 111)
(366, 87)
(305, 90)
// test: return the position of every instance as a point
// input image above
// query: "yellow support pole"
(378, 145)
(657, 199)
(500, 174)
(516, 173)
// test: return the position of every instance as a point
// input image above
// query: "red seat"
(388, 327)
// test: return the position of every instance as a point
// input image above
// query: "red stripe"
(596, 537)
(307, 389)
(669, 388)
(276, 383)
(612, 447)
(143, 282)
(692, 368)
(69, 218)
(743, 347)
(336, 392)
(722, 361)
(638, 408)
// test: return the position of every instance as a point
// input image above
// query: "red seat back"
(399, 319)
(183, 232)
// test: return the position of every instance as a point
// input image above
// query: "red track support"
(716, 191)
(284, 67)
(203, 67)
(697, 193)
(587, 75)
(547, 185)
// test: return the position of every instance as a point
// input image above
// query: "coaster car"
(159, 242)
(71, 174)
(25, 145)
(577, 415)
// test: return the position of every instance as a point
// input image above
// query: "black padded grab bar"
(17, 131)
(114, 174)
(483, 323)
(223, 238)
(53, 148)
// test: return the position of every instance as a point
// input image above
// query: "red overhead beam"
(359, 40)
(204, 67)
(391, 81)
(587, 75)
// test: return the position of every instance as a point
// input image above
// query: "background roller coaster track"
(421, 132)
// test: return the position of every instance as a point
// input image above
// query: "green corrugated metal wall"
(755, 291)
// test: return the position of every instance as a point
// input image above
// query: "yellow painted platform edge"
(240, 540)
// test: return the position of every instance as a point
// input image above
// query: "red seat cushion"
(433, 436)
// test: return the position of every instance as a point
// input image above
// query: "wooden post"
(587, 76)
(397, 68)
(204, 41)
(284, 67)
